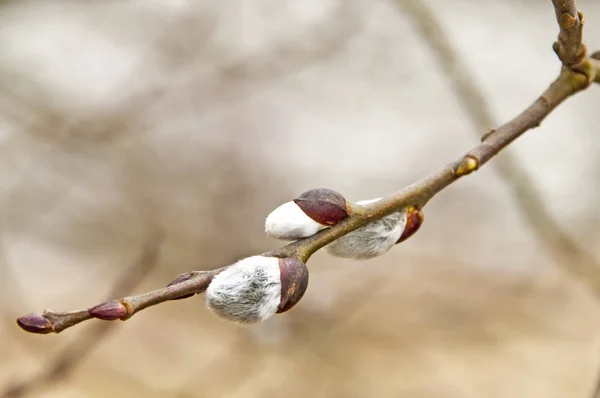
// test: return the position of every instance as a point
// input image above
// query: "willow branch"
(568, 83)
(565, 250)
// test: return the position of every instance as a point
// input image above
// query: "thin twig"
(568, 83)
(65, 362)
(123, 309)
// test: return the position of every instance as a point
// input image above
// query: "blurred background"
(197, 118)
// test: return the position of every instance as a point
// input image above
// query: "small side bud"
(373, 239)
(109, 311)
(178, 280)
(414, 220)
(256, 288)
(35, 323)
(469, 164)
(311, 212)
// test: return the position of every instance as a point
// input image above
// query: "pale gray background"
(202, 116)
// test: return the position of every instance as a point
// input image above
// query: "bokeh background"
(199, 117)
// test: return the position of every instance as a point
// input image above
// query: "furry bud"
(256, 288)
(373, 239)
(311, 212)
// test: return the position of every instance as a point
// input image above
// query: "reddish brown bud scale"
(35, 323)
(325, 206)
(294, 281)
(109, 311)
(414, 220)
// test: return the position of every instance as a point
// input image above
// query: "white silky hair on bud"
(289, 222)
(371, 240)
(248, 291)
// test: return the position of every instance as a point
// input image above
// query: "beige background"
(202, 116)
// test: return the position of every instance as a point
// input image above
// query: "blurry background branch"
(472, 308)
(566, 251)
(182, 63)
(182, 60)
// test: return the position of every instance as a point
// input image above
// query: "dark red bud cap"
(35, 323)
(294, 281)
(414, 220)
(325, 206)
(109, 311)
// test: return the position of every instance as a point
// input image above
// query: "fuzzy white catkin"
(371, 240)
(289, 222)
(248, 291)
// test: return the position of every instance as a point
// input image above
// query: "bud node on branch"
(469, 164)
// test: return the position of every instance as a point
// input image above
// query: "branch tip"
(35, 323)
